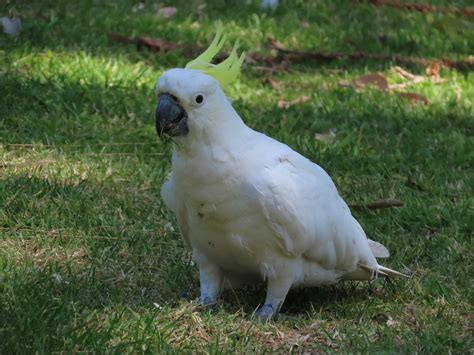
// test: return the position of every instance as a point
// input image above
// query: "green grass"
(89, 259)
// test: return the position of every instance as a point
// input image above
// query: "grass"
(91, 260)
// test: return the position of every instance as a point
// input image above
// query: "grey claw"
(265, 312)
(207, 302)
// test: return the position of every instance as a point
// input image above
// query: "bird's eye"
(199, 99)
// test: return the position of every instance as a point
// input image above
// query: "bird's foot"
(207, 302)
(265, 312)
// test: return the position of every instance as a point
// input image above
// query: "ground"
(90, 258)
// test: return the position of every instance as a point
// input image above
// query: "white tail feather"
(379, 250)
(392, 274)
(365, 272)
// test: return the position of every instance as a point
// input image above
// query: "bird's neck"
(224, 137)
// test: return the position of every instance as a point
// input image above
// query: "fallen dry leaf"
(274, 84)
(433, 70)
(327, 137)
(373, 79)
(11, 27)
(392, 323)
(166, 12)
(274, 44)
(298, 100)
(154, 44)
(380, 81)
(414, 97)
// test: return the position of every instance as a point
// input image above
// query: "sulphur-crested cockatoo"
(249, 207)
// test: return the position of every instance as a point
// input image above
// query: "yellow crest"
(225, 72)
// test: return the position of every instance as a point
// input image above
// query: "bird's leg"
(210, 278)
(277, 289)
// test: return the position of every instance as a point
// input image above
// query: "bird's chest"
(221, 212)
(224, 232)
(210, 191)
(223, 227)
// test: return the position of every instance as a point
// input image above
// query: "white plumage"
(250, 208)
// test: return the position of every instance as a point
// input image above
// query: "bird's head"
(192, 99)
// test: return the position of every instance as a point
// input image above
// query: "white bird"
(250, 208)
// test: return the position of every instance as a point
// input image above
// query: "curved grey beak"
(170, 117)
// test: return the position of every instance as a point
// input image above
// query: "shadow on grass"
(76, 254)
(56, 308)
(333, 300)
(113, 230)
(60, 112)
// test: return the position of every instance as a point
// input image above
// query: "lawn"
(92, 261)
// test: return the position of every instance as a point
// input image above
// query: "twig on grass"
(376, 205)
(299, 55)
(413, 79)
(420, 7)
(155, 44)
